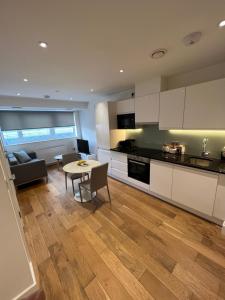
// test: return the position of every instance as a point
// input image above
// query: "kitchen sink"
(200, 161)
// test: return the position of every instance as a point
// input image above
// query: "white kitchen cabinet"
(171, 112)
(161, 178)
(102, 125)
(147, 109)
(122, 157)
(195, 189)
(205, 105)
(104, 156)
(219, 206)
(125, 106)
(119, 165)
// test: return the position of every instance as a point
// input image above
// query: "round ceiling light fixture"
(43, 44)
(121, 70)
(158, 53)
(221, 23)
(192, 38)
(25, 80)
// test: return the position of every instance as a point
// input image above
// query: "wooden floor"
(140, 248)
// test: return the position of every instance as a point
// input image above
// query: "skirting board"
(30, 289)
(193, 211)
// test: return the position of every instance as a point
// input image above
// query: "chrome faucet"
(205, 153)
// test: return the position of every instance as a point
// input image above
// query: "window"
(15, 137)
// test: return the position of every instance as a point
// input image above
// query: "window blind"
(17, 120)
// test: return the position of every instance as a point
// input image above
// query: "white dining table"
(74, 168)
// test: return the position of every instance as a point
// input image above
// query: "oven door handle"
(137, 162)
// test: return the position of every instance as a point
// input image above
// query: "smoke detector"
(158, 53)
(192, 38)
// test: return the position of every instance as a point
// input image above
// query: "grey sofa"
(29, 171)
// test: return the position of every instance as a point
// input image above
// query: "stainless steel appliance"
(139, 168)
(126, 121)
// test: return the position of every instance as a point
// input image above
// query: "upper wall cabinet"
(147, 109)
(205, 105)
(125, 106)
(171, 112)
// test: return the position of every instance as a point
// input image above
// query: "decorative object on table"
(97, 181)
(28, 171)
(174, 148)
(73, 168)
(82, 163)
(66, 159)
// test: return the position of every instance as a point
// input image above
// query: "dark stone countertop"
(187, 160)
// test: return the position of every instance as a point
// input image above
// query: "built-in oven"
(139, 168)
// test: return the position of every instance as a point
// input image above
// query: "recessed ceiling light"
(158, 53)
(121, 70)
(43, 44)
(92, 90)
(25, 80)
(221, 23)
(18, 94)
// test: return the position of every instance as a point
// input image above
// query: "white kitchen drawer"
(119, 165)
(219, 206)
(118, 174)
(122, 157)
(161, 178)
(194, 188)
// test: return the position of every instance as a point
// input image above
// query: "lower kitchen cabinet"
(195, 189)
(161, 178)
(219, 207)
(104, 156)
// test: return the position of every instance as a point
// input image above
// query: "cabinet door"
(161, 178)
(219, 207)
(104, 156)
(125, 106)
(171, 112)
(205, 105)
(147, 109)
(195, 189)
(102, 125)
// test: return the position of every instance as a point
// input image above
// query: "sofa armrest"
(29, 171)
(32, 154)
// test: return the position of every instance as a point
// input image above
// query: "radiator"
(48, 152)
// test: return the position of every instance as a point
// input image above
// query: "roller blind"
(16, 120)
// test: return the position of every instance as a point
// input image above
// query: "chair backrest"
(99, 177)
(70, 157)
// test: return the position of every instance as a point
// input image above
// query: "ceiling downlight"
(158, 53)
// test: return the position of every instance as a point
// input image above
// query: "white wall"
(197, 76)
(16, 272)
(47, 149)
(87, 118)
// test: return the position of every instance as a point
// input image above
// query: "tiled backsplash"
(151, 137)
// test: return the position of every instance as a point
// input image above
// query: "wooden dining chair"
(97, 181)
(66, 159)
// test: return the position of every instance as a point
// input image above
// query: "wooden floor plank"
(137, 248)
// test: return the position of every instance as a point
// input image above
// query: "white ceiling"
(90, 40)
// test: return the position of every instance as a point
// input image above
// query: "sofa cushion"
(22, 156)
(12, 159)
